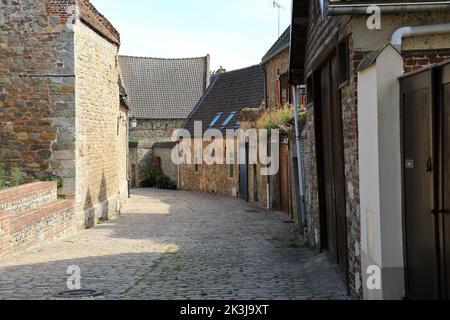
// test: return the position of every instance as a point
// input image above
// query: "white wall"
(380, 173)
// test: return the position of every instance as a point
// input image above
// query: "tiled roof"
(92, 17)
(164, 88)
(230, 92)
(279, 46)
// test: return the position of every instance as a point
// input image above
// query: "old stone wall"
(221, 179)
(151, 131)
(122, 158)
(98, 126)
(133, 167)
(163, 156)
(37, 91)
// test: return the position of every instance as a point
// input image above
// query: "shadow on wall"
(99, 210)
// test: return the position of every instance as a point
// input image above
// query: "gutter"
(411, 31)
(299, 157)
(362, 9)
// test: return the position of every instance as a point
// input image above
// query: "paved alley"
(178, 245)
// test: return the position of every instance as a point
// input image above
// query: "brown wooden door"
(444, 216)
(328, 162)
(339, 168)
(422, 268)
(284, 178)
(333, 170)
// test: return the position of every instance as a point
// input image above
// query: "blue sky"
(236, 33)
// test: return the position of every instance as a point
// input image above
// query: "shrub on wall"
(282, 119)
(11, 179)
(154, 177)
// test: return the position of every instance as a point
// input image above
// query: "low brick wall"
(31, 215)
(28, 196)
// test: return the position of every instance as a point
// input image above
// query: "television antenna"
(276, 4)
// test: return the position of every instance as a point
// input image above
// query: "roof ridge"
(242, 69)
(158, 58)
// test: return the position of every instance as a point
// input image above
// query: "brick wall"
(27, 196)
(416, 60)
(98, 126)
(31, 214)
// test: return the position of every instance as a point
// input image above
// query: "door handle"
(437, 211)
(430, 164)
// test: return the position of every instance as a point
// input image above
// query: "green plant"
(153, 177)
(16, 177)
(59, 180)
(282, 118)
(3, 183)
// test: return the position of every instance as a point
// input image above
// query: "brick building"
(327, 47)
(60, 111)
(229, 93)
(161, 95)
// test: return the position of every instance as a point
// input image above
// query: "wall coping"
(24, 190)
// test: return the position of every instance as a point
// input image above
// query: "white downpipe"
(299, 156)
(411, 31)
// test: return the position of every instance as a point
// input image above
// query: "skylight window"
(237, 125)
(228, 120)
(215, 120)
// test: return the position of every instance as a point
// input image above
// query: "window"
(283, 93)
(215, 120)
(228, 120)
(231, 170)
(196, 168)
(344, 68)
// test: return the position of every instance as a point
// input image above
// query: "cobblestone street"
(178, 245)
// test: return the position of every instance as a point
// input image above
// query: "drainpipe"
(128, 155)
(361, 9)
(408, 31)
(299, 157)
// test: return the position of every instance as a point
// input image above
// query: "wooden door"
(444, 215)
(420, 224)
(339, 168)
(333, 170)
(284, 179)
(328, 163)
